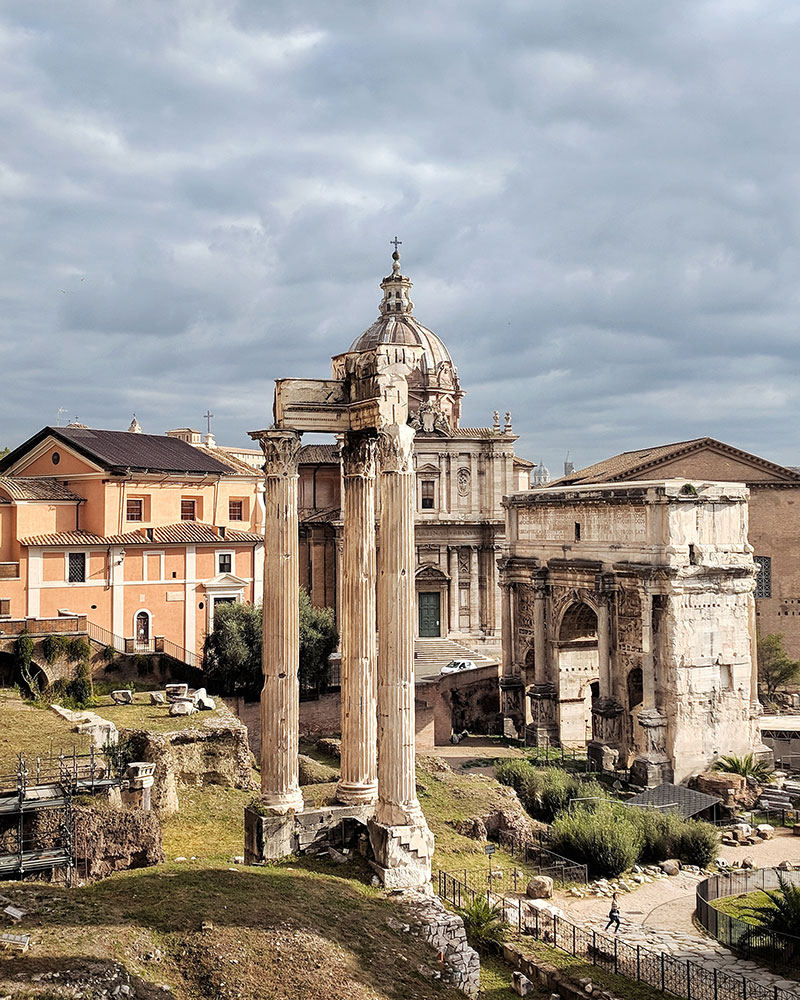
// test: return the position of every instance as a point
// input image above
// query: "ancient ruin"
(366, 404)
(629, 623)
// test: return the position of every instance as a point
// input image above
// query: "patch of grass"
(741, 907)
(33, 731)
(142, 715)
(496, 980)
(577, 968)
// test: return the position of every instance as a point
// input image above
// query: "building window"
(76, 567)
(134, 509)
(188, 510)
(428, 495)
(5, 607)
(236, 510)
(224, 562)
(764, 576)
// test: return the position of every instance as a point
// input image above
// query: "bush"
(604, 839)
(77, 650)
(79, 689)
(547, 791)
(53, 648)
(698, 843)
(660, 834)
(483, 923)
(746, 765)
(120, 754)
(143, 664)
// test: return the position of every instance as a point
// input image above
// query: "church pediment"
(225, 581)
(431, 573)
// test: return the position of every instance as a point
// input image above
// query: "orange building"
(144, 534)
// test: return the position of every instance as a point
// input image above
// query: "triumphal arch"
(629, 623)
(365, 404)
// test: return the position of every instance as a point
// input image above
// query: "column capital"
(396, 448)
(358, 455)
(281, 450)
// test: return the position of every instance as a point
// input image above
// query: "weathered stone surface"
(671, 866)
(100, 730)
(330, 746)
(158, 698)
(444, 932)
(521, 985)
(214, 752)
(113, 841)
(124, 696)
(539, 887)
(732, 789)
(183, 706)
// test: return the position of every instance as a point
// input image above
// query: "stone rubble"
(444, 932)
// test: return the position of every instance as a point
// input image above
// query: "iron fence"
(684, 978)
(563, 871)
(767, 947)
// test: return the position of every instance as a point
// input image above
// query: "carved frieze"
(525, 597)
(281, 451)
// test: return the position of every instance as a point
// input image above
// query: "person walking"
(613, 916)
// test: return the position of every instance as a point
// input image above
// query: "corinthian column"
(397, 798)
(359, 781)
(280, 697)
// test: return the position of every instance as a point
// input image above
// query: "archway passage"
(635, 697)
(142, 630)
(578, 669)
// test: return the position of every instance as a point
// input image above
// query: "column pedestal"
(653, 767)
(400, 837)
(604, 749)
(543, 729)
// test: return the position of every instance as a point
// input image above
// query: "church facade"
(463, 473)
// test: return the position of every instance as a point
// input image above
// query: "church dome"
(433, 387)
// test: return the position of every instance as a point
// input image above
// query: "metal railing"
(678, 977)
(760, 944)
(563, 871)
(158, 644)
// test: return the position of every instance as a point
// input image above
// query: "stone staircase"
(430, 655)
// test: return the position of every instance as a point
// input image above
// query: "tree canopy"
(775, 668)
(232, 651)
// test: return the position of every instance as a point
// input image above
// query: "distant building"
(144, 534)
(774, 508)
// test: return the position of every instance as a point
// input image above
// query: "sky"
(597, 202)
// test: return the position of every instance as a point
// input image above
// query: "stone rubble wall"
(108, 840)
(214, 753)
(444, 932)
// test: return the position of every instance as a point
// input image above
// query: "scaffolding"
(36, 811)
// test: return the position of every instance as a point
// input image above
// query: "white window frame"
(72, 552)
(225, 552)
(233, 596)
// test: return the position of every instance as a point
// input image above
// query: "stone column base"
(543, 728)
(602, 756)
(650, 770)
(268, 838)
(352, 793)
(512, 708)
(402, 853)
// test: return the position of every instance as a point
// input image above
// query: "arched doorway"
(577, 671)
(142, 631)
(635, 693)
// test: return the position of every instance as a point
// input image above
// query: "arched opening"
(635, 694)
(578, 670)
(142, 630)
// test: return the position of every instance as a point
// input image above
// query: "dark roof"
(22, 488)
(181, 533)
(319, 454)
(119, 450)
(630, 463)
(687, 801)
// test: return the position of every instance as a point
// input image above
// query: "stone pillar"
(605, 748)
(653, 767)
(543, 696)
(359, 780)
(401, 840)
(454, 590)
(280, 697)
(511, 687)
(474, 590)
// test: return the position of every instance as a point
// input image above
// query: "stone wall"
(214, 753)
(109, 840)
(444, 932)
(470, 700)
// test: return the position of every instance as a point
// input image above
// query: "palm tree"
(483, 923)
(780, 916)
(746, 765)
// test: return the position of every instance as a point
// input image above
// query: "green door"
(429, 615)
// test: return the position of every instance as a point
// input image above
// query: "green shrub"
(53, 648)
(606, 839)
(483, 923)
(660, 832)
(120, 754)
(698, 843)
(77, 649)
(108, 654)
(746, 765)
(143, 664)
(79, 689)
(23, 655)
(546, 791)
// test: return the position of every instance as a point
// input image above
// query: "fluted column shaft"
(397, 799)
(280, 697)
(359, 781)
(474, 593)
(604, 645)
(455, 596)
(541, 673)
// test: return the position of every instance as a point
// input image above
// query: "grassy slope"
(742, 906)
(32, 731)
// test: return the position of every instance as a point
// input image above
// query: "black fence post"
(638, 964)
(616, 960)
(688, 980)
(716, 989)
(662, 972)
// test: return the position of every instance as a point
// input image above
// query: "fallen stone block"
(124, 696)
(520, 984)
(158, 698)
(184, 706)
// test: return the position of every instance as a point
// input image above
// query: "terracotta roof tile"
(23, 488)
(319, 454)
(182, 533)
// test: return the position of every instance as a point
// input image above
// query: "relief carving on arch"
(525, 619)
